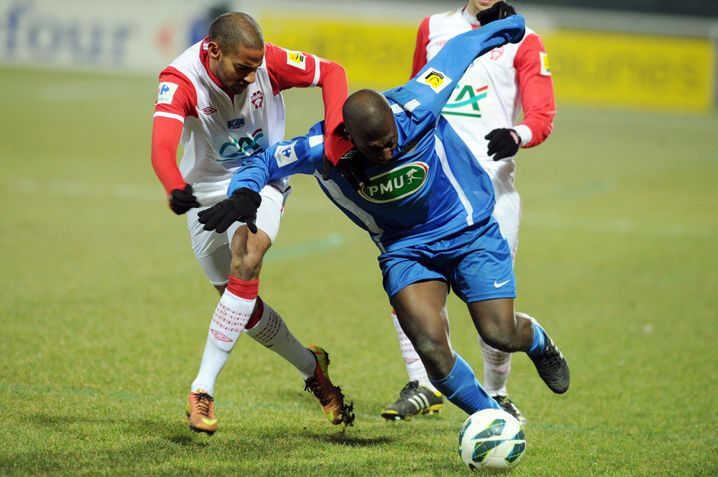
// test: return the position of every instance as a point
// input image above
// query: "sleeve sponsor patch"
(435, 79)
(297, 59)
(285, 154)
(545, 65)
(165, 92)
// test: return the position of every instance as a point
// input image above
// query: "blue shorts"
(476, 262)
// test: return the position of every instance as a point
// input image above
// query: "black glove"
(181, 200)
(241, 207)
(503, 142)
(499, 11)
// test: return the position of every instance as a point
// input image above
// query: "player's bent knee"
(506, 340)
(435, 355)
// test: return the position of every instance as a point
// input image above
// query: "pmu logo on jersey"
(235, 123)
(243, 147)
(165, 92)
(435, 79)
(464, 101)
(396, 184)
(297, 59)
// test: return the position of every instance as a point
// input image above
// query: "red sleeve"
(422, 40)
(536, 88)
(288, 69)
(176, 100)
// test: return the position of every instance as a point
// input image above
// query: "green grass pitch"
(104, 311)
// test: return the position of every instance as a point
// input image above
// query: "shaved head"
(233, 30)
(369, 122)
(367, 113)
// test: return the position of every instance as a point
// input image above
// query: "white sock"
(497, 365)
(228, 321)
(271, 332)
(414, 367)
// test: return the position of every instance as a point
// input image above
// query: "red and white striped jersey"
(496, 87)
(219, 129)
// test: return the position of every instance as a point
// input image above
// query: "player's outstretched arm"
(291, 69)
(302, 155)
(425, 95)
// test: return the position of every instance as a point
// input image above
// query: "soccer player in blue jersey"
(415, 187)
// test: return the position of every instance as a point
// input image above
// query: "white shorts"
(212, 249)
(507, 210)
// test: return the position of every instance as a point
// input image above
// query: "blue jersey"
(433, 187)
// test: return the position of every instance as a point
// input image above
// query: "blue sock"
(462, 389)
(539, 342)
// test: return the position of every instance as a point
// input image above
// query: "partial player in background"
(484, 110)
(222, 100)
(417, 189)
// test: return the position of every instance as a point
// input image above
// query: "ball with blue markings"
(491, 439)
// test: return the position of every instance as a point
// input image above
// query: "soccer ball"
(491, 439)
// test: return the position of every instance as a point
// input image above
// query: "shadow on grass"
(174, 431)
(46, 420)
(349, 440)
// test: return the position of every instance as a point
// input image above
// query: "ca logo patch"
(297, 59)
(465, 101)
(396, 184)
(245, 146)
(435, 79)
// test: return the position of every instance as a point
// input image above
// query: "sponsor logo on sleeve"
(165, 92)
(297, 59)
(545, 65)
(285, 154)
(435, 79)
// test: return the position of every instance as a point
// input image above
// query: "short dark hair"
(367, 112)
(234, 29)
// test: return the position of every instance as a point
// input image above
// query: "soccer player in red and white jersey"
(221, 99)
(484, 110)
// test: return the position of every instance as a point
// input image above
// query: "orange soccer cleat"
(200, 412)
(330, 397)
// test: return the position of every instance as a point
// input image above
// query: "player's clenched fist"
(503, 142)
(241, 207)
(181, 200)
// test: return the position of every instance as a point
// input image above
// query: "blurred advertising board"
(130, 36)
(374, 41)
(624, 70)
(599, 68)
